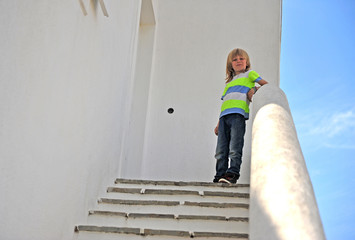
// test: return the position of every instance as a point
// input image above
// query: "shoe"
(216, 179)
(229, 178)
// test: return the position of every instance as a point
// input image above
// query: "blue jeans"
(230, 143)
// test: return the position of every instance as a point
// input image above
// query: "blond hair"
(230, 73)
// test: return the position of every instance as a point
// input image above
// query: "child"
(239, 90)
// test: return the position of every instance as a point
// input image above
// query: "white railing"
(282, 200)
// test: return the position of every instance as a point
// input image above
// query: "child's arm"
(252, 91)
(216, 129)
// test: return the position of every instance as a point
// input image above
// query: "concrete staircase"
(140, 209)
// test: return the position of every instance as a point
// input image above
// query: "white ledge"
(282, 201)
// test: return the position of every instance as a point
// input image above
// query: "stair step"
(168, 216)
(173, 203)
(195, 186)
(176, 192)
(147, 209)
(176, 183)
(171, 222)
(153, 232)
(172, 207)
(180, 183)
(179, 195)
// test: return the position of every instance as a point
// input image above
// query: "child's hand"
(216, 129)
(251, 94)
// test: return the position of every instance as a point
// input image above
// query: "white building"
(84, 98)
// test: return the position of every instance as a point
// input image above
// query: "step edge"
(172, 203)
(149, 191)
(152, 232)
(178, 183)
(168, 216)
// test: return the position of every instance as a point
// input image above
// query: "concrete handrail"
(282, 200)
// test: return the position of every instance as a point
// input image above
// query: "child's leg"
(222, 149)
(236, 144)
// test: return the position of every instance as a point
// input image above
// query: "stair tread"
(147, 232)
(153, 209)
(179, 183)
(169, 216)
(173, 203)
(176, 192)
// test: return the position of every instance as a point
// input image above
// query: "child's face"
(239, 64)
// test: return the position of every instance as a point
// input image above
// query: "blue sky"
(317, 74)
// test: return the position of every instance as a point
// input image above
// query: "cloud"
(335, 125)
(336, 130)
(340, 146)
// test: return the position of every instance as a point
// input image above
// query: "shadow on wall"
(94, 6)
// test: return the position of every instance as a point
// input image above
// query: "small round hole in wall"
(170, 110)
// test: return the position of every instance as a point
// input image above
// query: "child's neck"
(239, 72)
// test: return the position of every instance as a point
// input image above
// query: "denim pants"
(230, 143)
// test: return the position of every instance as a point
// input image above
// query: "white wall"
(65, 83)
(132, 156)
(192, 41)
(69, 109)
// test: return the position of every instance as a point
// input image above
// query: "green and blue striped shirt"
(235, 99)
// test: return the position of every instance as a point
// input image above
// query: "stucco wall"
(131, 162)
(65, 86)
(192, 41)
(72, 113)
